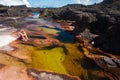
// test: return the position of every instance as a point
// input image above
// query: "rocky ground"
(40, 39)
(101, 20)
(96, 26)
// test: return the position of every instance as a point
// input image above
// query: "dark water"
(63, 36)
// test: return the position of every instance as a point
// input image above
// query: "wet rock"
(42, 75)
(86, 34)
(110, 62)
(42, 43)
(39, 39)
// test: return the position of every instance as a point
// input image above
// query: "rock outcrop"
(14, 11)
(100, 19)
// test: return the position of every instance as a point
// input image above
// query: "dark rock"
(17, 11)
(13, 11)
(110, 41)
(102, 23)
(100, 19)
(86, 34)
(109, 1)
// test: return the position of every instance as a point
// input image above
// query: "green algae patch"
(50, 59)
(73, 61)
(50, 30)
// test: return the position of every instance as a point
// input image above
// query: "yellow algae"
(50, 30)
(73, 62)
(66, 60)
(57, 61)
(50, 59)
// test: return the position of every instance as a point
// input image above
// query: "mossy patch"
(49, 60)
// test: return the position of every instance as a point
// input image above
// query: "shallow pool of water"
(67, 59)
